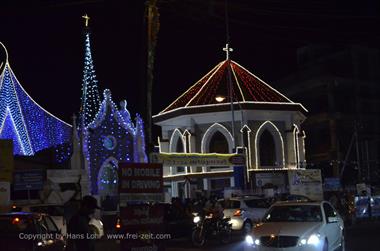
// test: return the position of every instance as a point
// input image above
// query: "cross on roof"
(86, 19)
(227, 49)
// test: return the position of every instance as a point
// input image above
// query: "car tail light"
(16, 220)
(118, 225)
(238, 212)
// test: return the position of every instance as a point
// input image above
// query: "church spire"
(90, 94)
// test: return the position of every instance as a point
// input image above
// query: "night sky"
(46, 45)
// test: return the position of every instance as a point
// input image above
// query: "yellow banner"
(199, 159)
(6, 160)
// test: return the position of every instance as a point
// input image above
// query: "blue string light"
(31, 128)
(112, 137)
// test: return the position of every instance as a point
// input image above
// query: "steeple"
(90, 94)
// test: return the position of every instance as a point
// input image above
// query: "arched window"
(267, 149)
(218, 144)
(179, 149)
(108, 179)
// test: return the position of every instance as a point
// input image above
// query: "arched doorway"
(267, 149)
(108, 178)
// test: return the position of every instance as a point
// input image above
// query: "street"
(361, 237)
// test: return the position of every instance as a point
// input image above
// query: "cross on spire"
(86, 18)
(227, 49)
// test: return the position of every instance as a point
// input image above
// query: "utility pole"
(152, 16)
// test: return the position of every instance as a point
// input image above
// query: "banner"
(306, 182)
(140, 182)
(198, 159)
(6, 160)
(28, 179)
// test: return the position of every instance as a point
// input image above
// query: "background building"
(340, 87)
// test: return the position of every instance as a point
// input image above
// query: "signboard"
(140, 182)
(143, 227)
(277, 179)
(6, 160)
(5, 193)
(332, 184)
(306, 182)
(199, 159)
(28, 179)
(239, 176)
(362, 189)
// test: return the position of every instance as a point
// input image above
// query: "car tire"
(247, 227)
(325, 245)
(342, 244)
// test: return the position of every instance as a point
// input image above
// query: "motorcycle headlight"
(313, 239)
(196, 219)
(250, 240)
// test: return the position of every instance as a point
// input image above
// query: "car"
(292, 197)
(29, 231)
(57, 213)
(244, 211)
(298, 226)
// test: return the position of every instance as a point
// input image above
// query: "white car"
(244, 211)
(298, 226)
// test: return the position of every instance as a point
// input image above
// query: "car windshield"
(230, 204)
(257, 203)
(294, 213)
(15, 224)
(50, 210)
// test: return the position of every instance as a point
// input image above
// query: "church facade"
(231, 110)
(111, 138)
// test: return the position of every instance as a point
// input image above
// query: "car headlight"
(196, 219)
(313, 239)
(250, 240)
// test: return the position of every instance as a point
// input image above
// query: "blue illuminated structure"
(108, 134)
(112, 138)
(90, 92)
(31, 127)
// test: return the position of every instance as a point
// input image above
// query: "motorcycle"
(207, 227)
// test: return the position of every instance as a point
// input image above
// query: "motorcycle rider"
(214, 207)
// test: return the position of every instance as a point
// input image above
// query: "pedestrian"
(79, 235)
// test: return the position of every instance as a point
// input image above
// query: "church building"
(231, 110)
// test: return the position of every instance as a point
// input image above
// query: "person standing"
(79, 235)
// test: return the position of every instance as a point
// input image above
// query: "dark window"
(220, 184)
(218, 144)
(179, 149)
(329, 211)
(267, 149)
